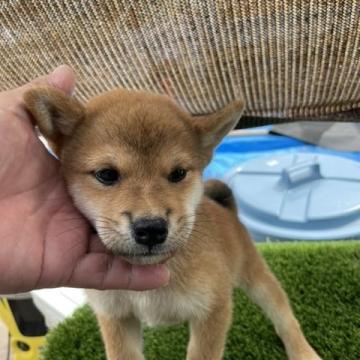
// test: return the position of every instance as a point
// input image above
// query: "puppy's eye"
(177, 175)
(107, 177)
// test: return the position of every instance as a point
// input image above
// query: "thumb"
(63, 78)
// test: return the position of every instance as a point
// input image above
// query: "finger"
(148, 277)
(62, 78)
(97, 246)
(103, 271)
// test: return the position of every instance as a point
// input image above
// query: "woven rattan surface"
(285, 58)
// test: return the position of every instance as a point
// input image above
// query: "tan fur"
(208, 251)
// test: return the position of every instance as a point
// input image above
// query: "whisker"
(107, 219)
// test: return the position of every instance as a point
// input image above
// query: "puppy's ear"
(56, 114)
(212, 128)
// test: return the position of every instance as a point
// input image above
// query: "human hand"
(44, 240)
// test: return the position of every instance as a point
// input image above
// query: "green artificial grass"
(323, 284)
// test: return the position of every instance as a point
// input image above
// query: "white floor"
(3, 341)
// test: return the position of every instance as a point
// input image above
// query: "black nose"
(150, 231)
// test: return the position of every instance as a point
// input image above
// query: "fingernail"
(63, 77)
(167, 275)
(62, 68)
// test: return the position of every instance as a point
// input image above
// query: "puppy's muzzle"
(150, 231)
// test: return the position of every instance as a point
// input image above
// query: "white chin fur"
(194, 197)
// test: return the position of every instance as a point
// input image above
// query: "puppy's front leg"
(122, 338)
(208, 335)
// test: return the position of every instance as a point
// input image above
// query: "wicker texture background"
(285, 58)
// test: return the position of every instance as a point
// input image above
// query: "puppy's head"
(133, 164)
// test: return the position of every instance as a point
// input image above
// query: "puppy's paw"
(310, 354)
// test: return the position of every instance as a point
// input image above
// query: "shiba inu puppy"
(133, 164)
